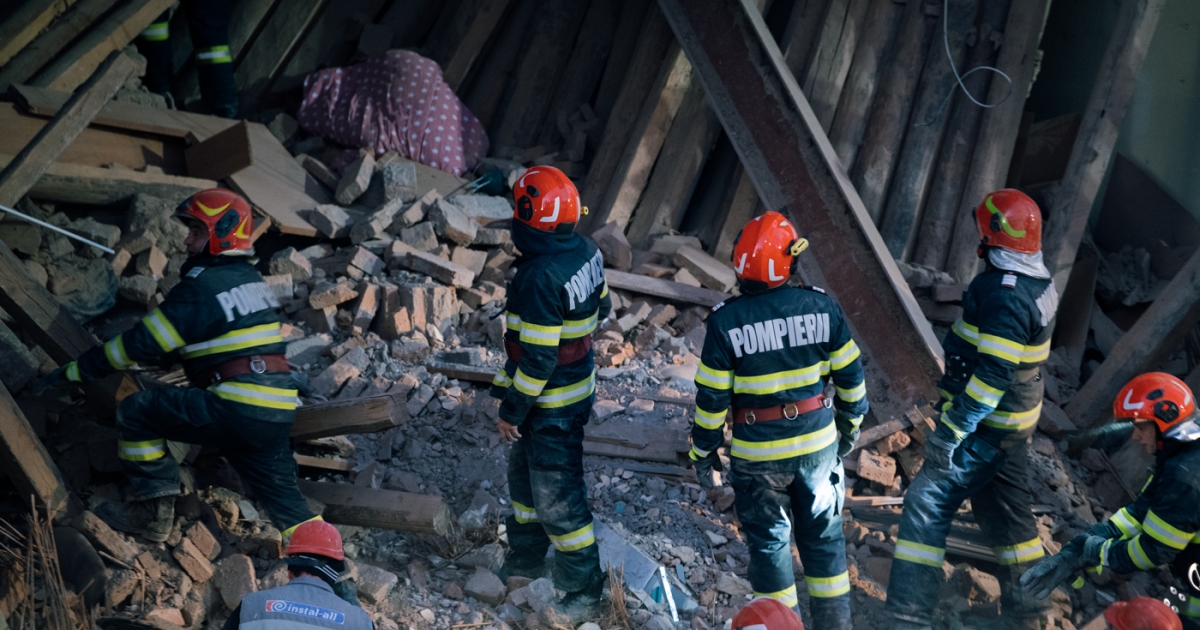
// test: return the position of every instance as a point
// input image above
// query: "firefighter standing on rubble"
(766, 354)
(208, 25)
(1162, 525)
(222, 320)
(547, 387)
(991, 401)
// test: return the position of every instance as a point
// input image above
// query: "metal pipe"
(57, 229)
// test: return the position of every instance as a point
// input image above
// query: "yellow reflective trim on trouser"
(157, 32)
(163, 332)
(854, 394)
(787, 596)
(215, 54)
(1137, 554)
(569, 395)
(716, 379)
(257, 395)
(828, 587)
(983, 392)
(784, 449)
(1126, 523)
(576, 328)
(710, 420)
(287, 533)
(696, 454)
(1164, 532)
(146, 451)
(114, 351)
(967, 332)
(523, 513)
(575, 540)
(501, 379)
(540, 335)
(844, 356)
(779, 381)
(921, 554)
(527, 385)
(1000, 348)
(1014, 420)
(240, 339)
(1021, 552)
(72, 372)
(1104, 549)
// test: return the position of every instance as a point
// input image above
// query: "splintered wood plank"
(92, 185)
(95, 146)
(487, 86)
(324, 463)
(640, 442)
(386, 509)
(222, 155)
(359, 415)
(741, 205)
(858, 92)
(585, 66)
(265, 58)
(831, 62)
(24, 25)
(40, 51)
(112, 34)
(28, 465)
(458, 48)
(663, 288)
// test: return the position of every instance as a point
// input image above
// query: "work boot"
(580, 606)
(151, 519)
(523, 565)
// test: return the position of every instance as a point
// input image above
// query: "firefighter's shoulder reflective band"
(1164, 532)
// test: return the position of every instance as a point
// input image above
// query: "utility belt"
(569, 352)
(240, 366)
(788, 411)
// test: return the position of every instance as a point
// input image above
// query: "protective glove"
(54, 380)
(705, 467)
(847, 426)
(939, 448)
(1041, 580)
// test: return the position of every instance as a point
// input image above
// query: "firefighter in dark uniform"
(547, 386)
(767, 354)
(1162, 525)
(222, 321)
(208, 24)
(317, 594)
(991, 401)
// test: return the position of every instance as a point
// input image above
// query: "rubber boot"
(1021, 610)
(831, 612)
(151, 519)
(523, 565)
(581, 606)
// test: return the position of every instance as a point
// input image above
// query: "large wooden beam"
(1111, 94)
(92, 185)
(461, 44)
(25, 23)
(266, 56)
(835, 50)
(794, 168)
(38, 53)
(658, 287)
(858, 93)
(109, 36)
(360, 415)
(386, 509)
(27, 463)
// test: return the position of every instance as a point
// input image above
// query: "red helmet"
(764, 613)
(547, 200)
(1162, 398)
(316, 537)
(765, 250)
(1010, 219)
(1142, 613)
(226, 215)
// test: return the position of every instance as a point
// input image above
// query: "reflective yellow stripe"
(783, 449)
(1164, 532)
(604, 292)
(983, 392)
(787, 596)
(157, 32)
(1126, 523)
(716, 379)
(828, 587)
(1023, 552)
(146, 451)
(240, 339)
(114, 350)
(523, 513)
(215, 54)
(958, 432)
(779, 381)
(710, 420)
(921, 554)
(163, 332)
(1036, 354)
(527, 385)
(969, 333)
(844, 356)
(697, 454)
(512, 321)
(257, 395)
(1014, 420)
(854, 394)
(540, 335)
(576, 328)
(1000, 348)
(501, 379)
(1193, 607)
(1104, 549)
(855, 421)
(569, 395)
(575, 540)
(72, 372)
(287, 533)
(1137, 554)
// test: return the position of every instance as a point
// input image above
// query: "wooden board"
(346, 504)
(37, 54)
(858, 91)
(222, 155)
(326, 43)
(481, 374)
(663, 288)
(27, 463)
(635, 441)
(800, 34)
(78, 183)
(265, 58)
(584, 68)
(485, 88)
(831, 61)
(25, 23)
(95, 146)
(359, 415)
(624, 43)
(112, 34)
(458, 48)
(324, 463)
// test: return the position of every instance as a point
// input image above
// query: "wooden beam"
(801, 33)
(24, 24)
(663, 288)
(826, 74)
(79, 183)
(325, 44)
(358, 415)
(111, 35)
(858, 93)
(741, 205)
(324, 463)
(459, 47)
(40, 51)
(487, 86)
(346, 504)
(1112, 92)
(1156, 334)
(624, 44)
(481, 374)
(640, 442)
(221, 155)
(584, 68)
(28, 465)
(265, 57)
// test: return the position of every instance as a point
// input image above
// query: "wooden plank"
(635, 441)
(111, 35)
(222, 155)
(324, 463)
(998, 130)
(28, 464)
(488, 87)
(327, 42)
(584, 68)
(742, 205)
(346, 504)
(244, 19)
(801, 33)
(1143, 347)
(265, 58)
(92, 185)
(1074, 318)
(472, 373)
(23, 25)
(95, 146)
(663, 288)
(37, 54)
(836, 46)
(359, 415)
(1111, 95)
(919, 150)
(624, 44)
(469, 31)
(858, 93)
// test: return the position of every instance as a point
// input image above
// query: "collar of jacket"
(532, 242)
(1025, 264)
(208, 260)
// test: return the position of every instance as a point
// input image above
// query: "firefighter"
(766, 354)
(316, 594)
(222, 321)
(1162, 525)
(208, 25)
(765, 613)
(1141, 613)
(991, 398)
(547, 386)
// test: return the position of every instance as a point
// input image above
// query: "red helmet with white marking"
(547, 200)
(765, 251)
(764, 613)
(1163, 399)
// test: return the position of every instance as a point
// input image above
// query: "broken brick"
(235, 579)
(614, 246)
(203, 539)
(291, 262)
(193, 561)
(356, 177)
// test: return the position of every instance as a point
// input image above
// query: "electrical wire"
(959, 77)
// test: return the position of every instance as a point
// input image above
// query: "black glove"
(54, 380)
(847, 426)
(1041, 580)
(939, 449)
(705, 467)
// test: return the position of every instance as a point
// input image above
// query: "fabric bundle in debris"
(399, 102)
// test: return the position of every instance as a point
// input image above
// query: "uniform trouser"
(800, 497)
(208, 24)
(545, 482)
(259, 451)
(993, 474)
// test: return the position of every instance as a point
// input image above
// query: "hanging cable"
(959, 78)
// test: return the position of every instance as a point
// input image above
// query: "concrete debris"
(331, 220)
(484, 586)
(356, 177)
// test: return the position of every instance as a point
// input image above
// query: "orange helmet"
(1162, 398)
(547, 200)
(1142, 613)
(765, 250)
(764, 613)
(226, 215)
(316, 537)
(1010, 219)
